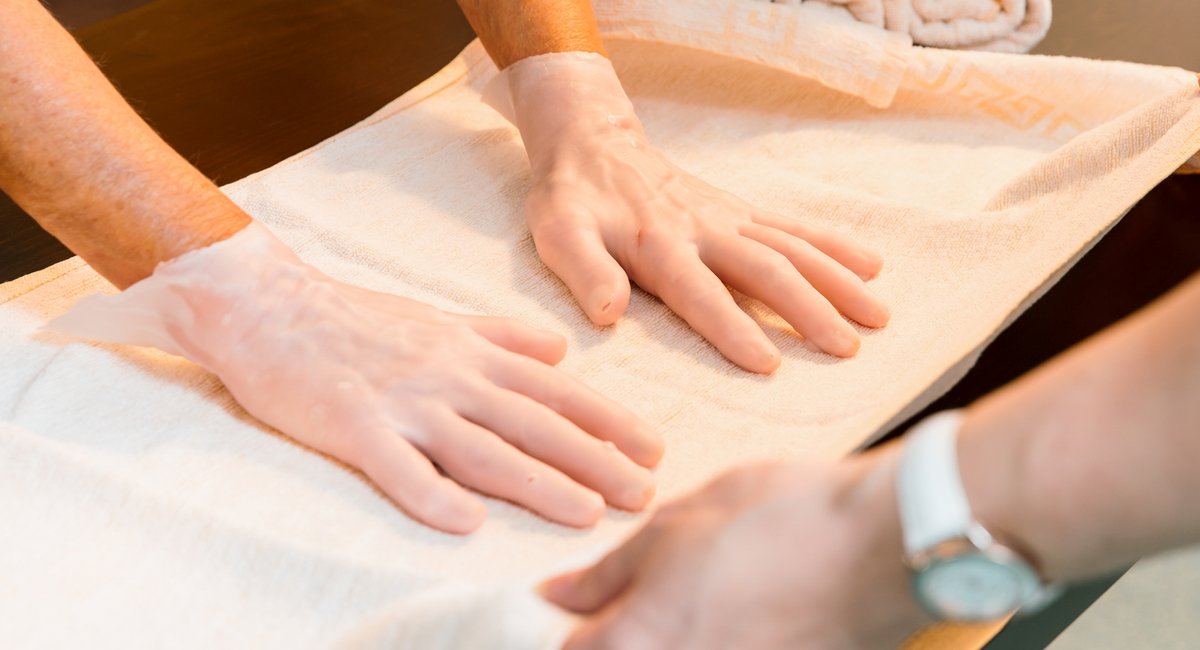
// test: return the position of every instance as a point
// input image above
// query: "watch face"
(973, 587)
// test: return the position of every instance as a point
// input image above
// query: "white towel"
(141, 508)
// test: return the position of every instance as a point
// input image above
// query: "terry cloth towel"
(141, 508)
(859, 47)
(995, 25)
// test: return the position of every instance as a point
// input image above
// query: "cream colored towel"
(995, 25)
(860, 47)
(141, 508)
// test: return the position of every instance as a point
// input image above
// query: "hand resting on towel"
(607, 207)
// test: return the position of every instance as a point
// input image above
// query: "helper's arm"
(1087, 463)
(75, 156)
(607, 207)
(1091, 461)
(385, 384)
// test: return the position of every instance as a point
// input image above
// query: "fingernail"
(635, 497)
(880, 316)
(844, 342)
(765, 358)
(600, 300)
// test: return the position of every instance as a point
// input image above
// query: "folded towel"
(995, 25)
(140, 507)
(859, 47)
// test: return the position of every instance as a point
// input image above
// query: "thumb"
(576, 254)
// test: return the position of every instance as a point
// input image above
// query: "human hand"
(607, 207)
(389, 385)
(786, 555)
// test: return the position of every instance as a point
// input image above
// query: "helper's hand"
(607, 207)
(388, 385)
(775, 556)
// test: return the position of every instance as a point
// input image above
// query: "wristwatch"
(959, 571)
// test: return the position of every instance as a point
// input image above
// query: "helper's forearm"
(77, 158)
(512, 30)
(1091, 460)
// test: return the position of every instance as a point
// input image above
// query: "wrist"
(563, 101)
(872, 507)
(205, 304)
(996, 474)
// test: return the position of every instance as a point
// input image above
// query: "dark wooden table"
(238, 85)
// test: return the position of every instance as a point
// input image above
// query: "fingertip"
(880, 317)
(588, 508)
(556, 348)
(843, 343)
(870, 266)
(460, 514)
(636, 497)
(763, 358)
(604, 305)
(650, 451)
(558, 589)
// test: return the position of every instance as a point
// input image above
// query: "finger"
(599, 416)
(588, 590)
(542, 433)
(408, 478)
(691, 290)
(479, 459)
(618, 627)
(760, 272)
(576, 254)
(854, 256)
(845, 290)
(514, 336)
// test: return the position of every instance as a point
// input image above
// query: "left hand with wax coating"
(784, 555)
(607, 207)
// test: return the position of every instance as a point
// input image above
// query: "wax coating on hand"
(607, 207)
(391, 386)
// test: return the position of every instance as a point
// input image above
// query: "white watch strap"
(933, 504)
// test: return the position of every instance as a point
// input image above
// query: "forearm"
(1090, 461)
(78, 159)
(512, 30)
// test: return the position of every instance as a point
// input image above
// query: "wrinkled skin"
(390, 385)
(606, 207)
(786, 555)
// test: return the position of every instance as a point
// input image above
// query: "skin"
(607, 208)
(76, 157)
(487, 406)
(1085, 464)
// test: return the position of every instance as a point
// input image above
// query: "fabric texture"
(859, 47)
(994, 25)
(141, 507)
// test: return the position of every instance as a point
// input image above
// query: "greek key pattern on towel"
(993, 97)
(811, 41)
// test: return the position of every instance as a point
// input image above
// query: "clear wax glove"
(607, 207)
(388, 385)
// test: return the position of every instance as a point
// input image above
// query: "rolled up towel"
(996, 25)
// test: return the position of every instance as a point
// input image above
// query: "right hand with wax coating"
(607, 207)
(390, 385)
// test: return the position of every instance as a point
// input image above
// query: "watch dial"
(972, 587)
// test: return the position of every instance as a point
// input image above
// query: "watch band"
(933, 503)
